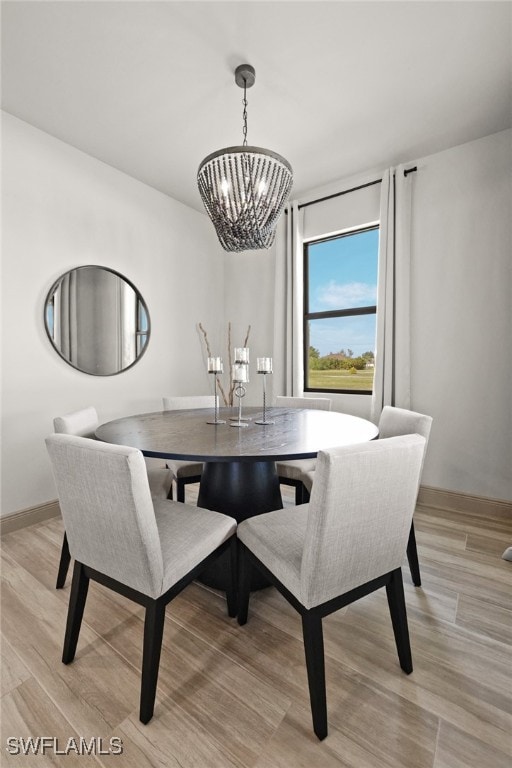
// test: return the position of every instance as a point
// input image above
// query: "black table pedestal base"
(240, 489)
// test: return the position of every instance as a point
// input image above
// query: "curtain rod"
(352, 189)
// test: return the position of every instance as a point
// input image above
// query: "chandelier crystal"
(244, 188)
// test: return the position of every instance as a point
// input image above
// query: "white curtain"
(392, 382)
(288, 330)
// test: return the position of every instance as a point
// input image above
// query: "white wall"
(461, 304)
(62, 208)
(461, 323)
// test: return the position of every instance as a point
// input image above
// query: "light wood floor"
(231, 696)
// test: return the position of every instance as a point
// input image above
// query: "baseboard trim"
(25, 517)
(479, 506)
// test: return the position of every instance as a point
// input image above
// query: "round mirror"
(97, 320)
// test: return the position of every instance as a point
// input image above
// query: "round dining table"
(239, 475)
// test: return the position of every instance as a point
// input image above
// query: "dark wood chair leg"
(305, 495)
(153, 633)
(397, 609)
(180, 490)
(314, 650)
(77, 598)
(231, 592)
(65, 559)
(244, 585)
(412, 557)
(298, 494)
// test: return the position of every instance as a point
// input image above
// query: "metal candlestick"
(240, 376)
(264, 420)
(264, 367)
(239, 392)
(215, 367)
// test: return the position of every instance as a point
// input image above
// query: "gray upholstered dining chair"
(293, 472)
(326, 554)
(84, 423)
(393, 422)
(186, 472)
(145, 549)
(400, 421)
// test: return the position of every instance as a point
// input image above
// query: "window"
(340, 306)
(142, 327)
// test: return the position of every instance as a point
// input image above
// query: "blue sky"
(342, 275)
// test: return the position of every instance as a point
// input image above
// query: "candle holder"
(241, 355)
(264, 365)
(215, 366)
(240, 376)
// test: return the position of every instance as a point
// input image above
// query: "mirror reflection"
(97, 320)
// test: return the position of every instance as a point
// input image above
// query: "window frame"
(351, 312)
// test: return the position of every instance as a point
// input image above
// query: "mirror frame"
(50, 294)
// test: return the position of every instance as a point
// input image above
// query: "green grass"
(341, 380)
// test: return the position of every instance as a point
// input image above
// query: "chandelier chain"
(244, 114)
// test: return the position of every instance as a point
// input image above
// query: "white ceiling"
(341, 87)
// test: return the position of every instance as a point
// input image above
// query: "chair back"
(188, 402)
(107, 510)
(83, 422)
(317, 403)
(360, 514)
(399, 421)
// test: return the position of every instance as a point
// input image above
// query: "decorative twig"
(209, 354)
(208, 350)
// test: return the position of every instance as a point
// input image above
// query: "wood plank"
(460, 749)
(29, 712)
(470, 523)
(13, 671)
(174, 739)
(99, 689)
(485, 618)
(487, 545)
(201, 680)
(294, 745)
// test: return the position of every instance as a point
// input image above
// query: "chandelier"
(244, 189)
